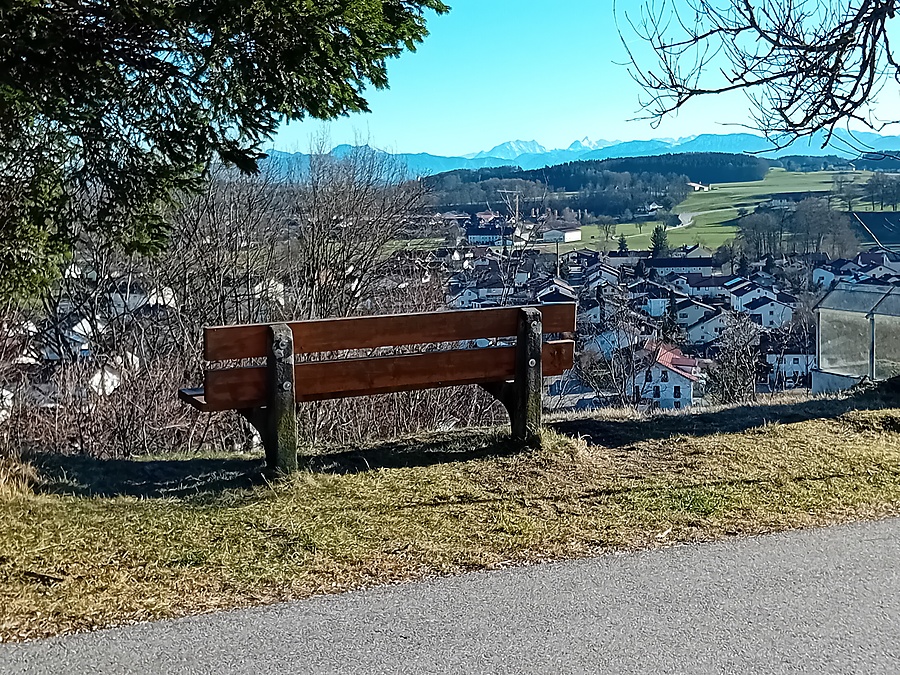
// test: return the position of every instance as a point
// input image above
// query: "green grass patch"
(92, 543)
(750, 194)
(716, 211)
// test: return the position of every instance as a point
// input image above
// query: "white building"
(465, 299)
(689, 311)
(769, 313)
(563, 235)
(687, 265)
(790, 367)
(485, 235)
(746, 293)
(132, 295)
(671, 382)
(695, 251)
(706, 330)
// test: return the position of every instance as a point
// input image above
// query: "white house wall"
(773, 315)
(791, 365)
(667, 390)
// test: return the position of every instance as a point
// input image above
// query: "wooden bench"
(266, 395)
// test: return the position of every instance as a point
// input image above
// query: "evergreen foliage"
(108, 109)
(659, 242)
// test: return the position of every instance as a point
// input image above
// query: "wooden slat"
(249, 341)
(195, 398)
(239, 388)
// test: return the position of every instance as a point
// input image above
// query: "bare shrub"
(119, 335)
(733, 379)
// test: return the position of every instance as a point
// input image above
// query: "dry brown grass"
(97, 544)
(17, 477)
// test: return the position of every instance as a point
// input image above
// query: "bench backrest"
(246, 387)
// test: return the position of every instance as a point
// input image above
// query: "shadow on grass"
(437, 448)
(621, 433)
(163, 478)
(209, 477)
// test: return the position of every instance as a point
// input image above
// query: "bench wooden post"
(523, 397)
(280, 433)
(525, 415)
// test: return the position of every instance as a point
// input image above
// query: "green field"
(748, 195)
(716, 211)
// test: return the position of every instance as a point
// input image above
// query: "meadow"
(713, 215)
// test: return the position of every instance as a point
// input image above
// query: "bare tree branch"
(807, 66)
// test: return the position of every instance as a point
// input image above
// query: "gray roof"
(863, 299)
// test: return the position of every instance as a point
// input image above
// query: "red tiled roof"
(672, 358)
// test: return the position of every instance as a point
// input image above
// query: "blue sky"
(499, 70)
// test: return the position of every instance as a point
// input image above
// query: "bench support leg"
(280, 432)
(523, 398)
(526, 416)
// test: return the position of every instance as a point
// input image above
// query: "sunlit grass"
(77, 553)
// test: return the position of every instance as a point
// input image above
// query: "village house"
(685, 265)
(692, 251)
(875, 271)
(584, 257)
(653, 298)
(599, 275)
(671, 381)
(689, 311)
(706, 329)
(555, 290)
(450, 259)
(69, 338)
(464, 299)
(647, 210)
(705, 287)
(618, 259)
(489, 234)
(769, 313)
(741, 295)
(828, 274)
(562, 233)
(877, 256)
(608, 328)
(129, 295)
(790, 368)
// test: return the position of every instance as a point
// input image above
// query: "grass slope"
(90, 543)
(716, 211)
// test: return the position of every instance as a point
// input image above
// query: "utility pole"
(516, 193)
(509, 256)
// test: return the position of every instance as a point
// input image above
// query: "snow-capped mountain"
(586, 145)
(533, 155)
(512, 149)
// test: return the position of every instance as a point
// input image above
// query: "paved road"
(819, 601)
(687, 218)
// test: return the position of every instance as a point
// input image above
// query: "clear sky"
(499, 70)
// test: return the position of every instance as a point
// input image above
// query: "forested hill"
(610, 187)
(701, 167)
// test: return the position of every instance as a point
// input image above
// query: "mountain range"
(533, 155)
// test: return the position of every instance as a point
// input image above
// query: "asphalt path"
(815, 601)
